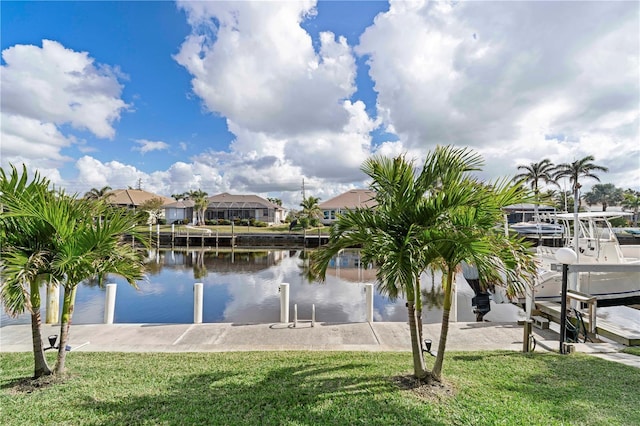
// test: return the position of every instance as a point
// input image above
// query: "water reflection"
(242, 287)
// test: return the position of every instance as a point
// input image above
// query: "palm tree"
(80, 247)
(201, 202)
(632, 201)
(574, 171)
(97, 194)
(468, 234)
(533, 174)
(606, 194)
(310, 207)
(388, 238)
(439, 217)
(25, 256)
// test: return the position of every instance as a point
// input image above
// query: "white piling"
(284, 302)
(110, 303)
(53, 304)
(368, 288)
(197, 302)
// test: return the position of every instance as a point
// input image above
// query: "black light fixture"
(427, 347)
(52, 342)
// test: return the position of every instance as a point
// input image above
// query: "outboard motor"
(481, 304)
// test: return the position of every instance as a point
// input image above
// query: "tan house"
(133, 198)
(350, 200)
(231, 207)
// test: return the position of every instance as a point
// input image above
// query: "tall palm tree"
(25, 255)
(533, 174)
(583, 168)
(97, 194)
(437, 217)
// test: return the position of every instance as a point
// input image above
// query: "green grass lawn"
(321, 388)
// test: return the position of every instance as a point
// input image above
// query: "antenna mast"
(304, 197)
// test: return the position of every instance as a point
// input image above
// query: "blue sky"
(252, 97)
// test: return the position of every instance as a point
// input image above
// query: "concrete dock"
(221, 337)
(218, 337)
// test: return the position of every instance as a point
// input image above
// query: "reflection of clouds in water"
(250, 295)
(335, 300)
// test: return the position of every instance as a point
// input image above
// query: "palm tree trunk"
(419, 369)
(444, 330)
(40, 367)
(65, 323)
(419, 312)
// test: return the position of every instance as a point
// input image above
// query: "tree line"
(547, 173)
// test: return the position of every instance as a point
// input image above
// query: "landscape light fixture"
(427, 347)
(52, 342)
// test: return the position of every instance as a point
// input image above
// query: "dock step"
(540, 322)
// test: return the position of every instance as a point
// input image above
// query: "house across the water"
(231, 207)
(350, 200)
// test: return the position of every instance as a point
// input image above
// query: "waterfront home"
(346, 201)
(133, 198)
(179, 211)
(231, 207)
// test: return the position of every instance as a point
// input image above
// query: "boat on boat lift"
(598, 245)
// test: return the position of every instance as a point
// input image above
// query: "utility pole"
(304, 197)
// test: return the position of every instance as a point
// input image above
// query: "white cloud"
(45, 88)
(260, 70)
(148, 146)
(58, 85)
(503, 77)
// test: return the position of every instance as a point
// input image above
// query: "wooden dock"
(604, 328)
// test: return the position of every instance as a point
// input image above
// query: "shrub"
(260, 224)
(304, 222)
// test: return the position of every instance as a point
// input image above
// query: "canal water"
(242, 287)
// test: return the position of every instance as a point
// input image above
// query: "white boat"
(537, 228)
(597, 245)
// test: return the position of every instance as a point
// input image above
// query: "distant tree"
(153, 207)
(276, 201)
(310, 207)
(574, 171)
(535, 173)
(604, 193)
(97, 194)
(631, 201)
(180, 196)
(201, 202)
(583, 168)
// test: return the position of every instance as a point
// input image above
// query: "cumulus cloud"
(58, 85)
(285, 99)
(253, 63)
(148, 146)
(502, 77)
(45, 88)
